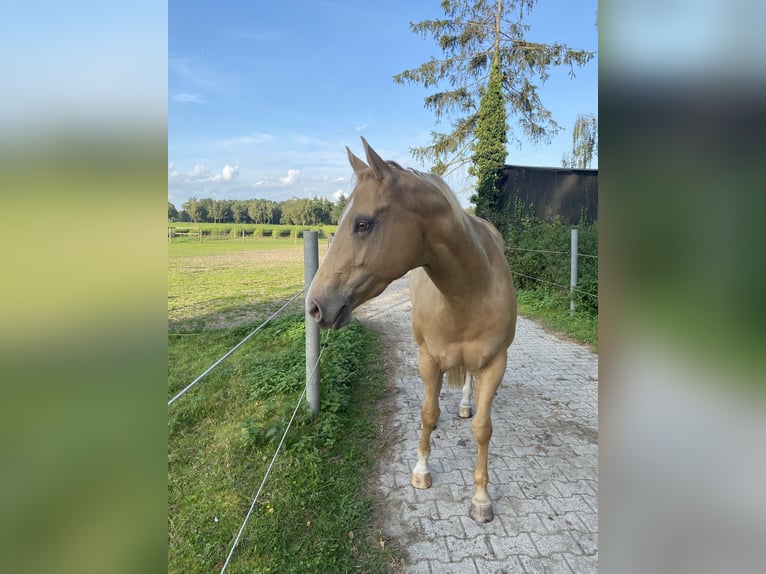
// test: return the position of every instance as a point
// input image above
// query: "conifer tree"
(474, 35)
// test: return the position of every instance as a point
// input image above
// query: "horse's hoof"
(421, 480)
(481, 512)
(465, 412)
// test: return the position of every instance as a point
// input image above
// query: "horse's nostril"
(315, 311)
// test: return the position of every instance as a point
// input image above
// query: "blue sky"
(263, 97)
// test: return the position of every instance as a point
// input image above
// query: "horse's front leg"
(487, 382)
(429, 414)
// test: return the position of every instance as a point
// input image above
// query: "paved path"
(543, 464)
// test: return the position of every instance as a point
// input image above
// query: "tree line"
(295, 211)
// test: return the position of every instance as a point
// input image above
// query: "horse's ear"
(357, 164)
(379, 166)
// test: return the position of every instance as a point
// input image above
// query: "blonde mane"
(433, 181)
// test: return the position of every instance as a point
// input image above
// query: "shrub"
(538, 253)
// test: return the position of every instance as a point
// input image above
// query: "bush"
(538, 253)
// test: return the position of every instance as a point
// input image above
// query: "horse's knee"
(482, 430)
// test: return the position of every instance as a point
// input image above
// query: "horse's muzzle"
(333, 313)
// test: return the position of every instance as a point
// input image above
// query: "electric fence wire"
(273, 460)
(554, 252)
(516, 273)
(237, 346)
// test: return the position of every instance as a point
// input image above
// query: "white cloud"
(200, 171)
(290, 178)
(228, 173)
(339, 180)
(362, 127)
(337, 195)
(285, 181)
(185, 98)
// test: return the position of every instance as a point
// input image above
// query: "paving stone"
(543, 458)
(466, 566)
(553, 564)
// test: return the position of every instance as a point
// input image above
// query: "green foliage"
(311, 515)
(538, 254)
(489, 153)
(296, 211)
(472, 36)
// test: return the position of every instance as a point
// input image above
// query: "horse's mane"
(437, 182)
(434, 181)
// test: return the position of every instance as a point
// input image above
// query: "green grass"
(313, 514)
(551, 309)
(215, 284)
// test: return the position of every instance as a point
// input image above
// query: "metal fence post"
(310, 266)
(573, 271)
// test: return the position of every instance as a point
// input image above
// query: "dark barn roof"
(568, 193)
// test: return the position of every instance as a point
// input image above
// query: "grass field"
(225, 283)
(313, 515)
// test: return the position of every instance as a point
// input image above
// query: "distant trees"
(239, 211)
(295, 211)
(263, 211)
(337, 209)
(306, 211)
(196, 210)
(584, 142)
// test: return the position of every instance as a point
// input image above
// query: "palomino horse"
(463, 299)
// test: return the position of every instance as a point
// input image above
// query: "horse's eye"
(362, 225)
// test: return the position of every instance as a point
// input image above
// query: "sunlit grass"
(551, 309)
(313, 514)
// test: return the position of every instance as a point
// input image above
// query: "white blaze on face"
(346, 212)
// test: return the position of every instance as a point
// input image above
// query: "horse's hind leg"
(465, 411)
(432, 382)
(487, 382)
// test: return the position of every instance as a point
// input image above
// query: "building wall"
(567, 193)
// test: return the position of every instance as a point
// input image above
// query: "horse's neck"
(457, 260)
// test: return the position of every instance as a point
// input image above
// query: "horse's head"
(378, 240)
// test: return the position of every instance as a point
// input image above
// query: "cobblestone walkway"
(543, 464)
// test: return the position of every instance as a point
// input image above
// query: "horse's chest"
(472, 354)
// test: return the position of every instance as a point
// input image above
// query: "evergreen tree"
(474, 35)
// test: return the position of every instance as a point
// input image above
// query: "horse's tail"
(456, 377)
